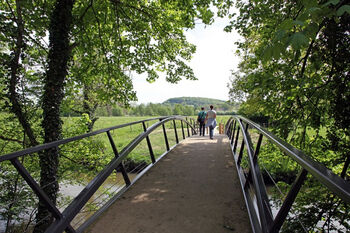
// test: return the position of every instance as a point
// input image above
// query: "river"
(69, 191)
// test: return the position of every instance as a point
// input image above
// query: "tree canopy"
(66, 50)
(295, 70)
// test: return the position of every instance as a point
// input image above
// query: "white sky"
(212, 65)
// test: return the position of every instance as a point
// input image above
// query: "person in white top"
(210, 120)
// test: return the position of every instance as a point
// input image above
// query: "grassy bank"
(125, 135)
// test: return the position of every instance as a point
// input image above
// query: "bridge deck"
(194, 188)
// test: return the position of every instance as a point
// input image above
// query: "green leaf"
(312, 30)
(298, 22)
(309, 3)
(278, 48)
(280, 34)
(343, 9)
(287, 24)
(267, 54)
(298, 40)
(333, 2)
(313, 9)
(303, 17)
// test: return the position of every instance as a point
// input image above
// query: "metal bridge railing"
(251, 179)
(63, 217)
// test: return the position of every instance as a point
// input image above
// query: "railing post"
(240, 155)
(165, 136)
(228, 130)
(236, 140)
(264, 211)
(257, 149)
(233, 132)
(183, 131)
(192, 124)
(262, 188)
(197, 124)
(149, 143)
(194, 127)
(121, 166)
(241, 150)
(288, 202)
(188, 129)
(39, 192)
(176, 137)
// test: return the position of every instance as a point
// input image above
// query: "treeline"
(150, 109)
(198, 102)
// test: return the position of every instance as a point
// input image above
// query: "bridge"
(193, 189)
(196, 185)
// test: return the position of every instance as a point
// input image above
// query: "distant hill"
(198, 102)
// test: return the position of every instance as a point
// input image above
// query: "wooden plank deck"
(193, 189)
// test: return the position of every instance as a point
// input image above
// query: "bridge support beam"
(121, 166)
(287, 204)
(165, 137)
(149, 144)
(176, 137)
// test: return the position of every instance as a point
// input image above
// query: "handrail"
(261, 218)
(63, 219)
(67, 140)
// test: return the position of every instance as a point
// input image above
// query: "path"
(193, 189)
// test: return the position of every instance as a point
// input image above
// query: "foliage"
(93, 46)
(15, 194)
(85, 155)
(144, 110)
(295, 70)
(175, 106)
(278, 165)
(114, 39)
(199, 102)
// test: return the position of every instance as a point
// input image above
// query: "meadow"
(123, 136)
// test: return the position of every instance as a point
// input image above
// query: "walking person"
(210, 120)
(201, 119)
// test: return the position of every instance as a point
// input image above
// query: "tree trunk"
(59, 53)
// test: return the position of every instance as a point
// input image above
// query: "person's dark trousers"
(201, 128)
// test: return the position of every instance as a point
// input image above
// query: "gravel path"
(193, 189)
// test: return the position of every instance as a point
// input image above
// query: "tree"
(117, 111)
(188, 110)
(93, 45)
(178, 109)
(299, 77)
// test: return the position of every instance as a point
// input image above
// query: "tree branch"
(85, 11)
(16, 107)
(12, 12)
(10, 139)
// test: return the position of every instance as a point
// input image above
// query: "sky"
(212, 64)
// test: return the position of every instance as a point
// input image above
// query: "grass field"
(123, 136)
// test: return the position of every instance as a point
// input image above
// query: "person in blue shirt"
(201, 119)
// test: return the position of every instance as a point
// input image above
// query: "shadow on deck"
(193, 189)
